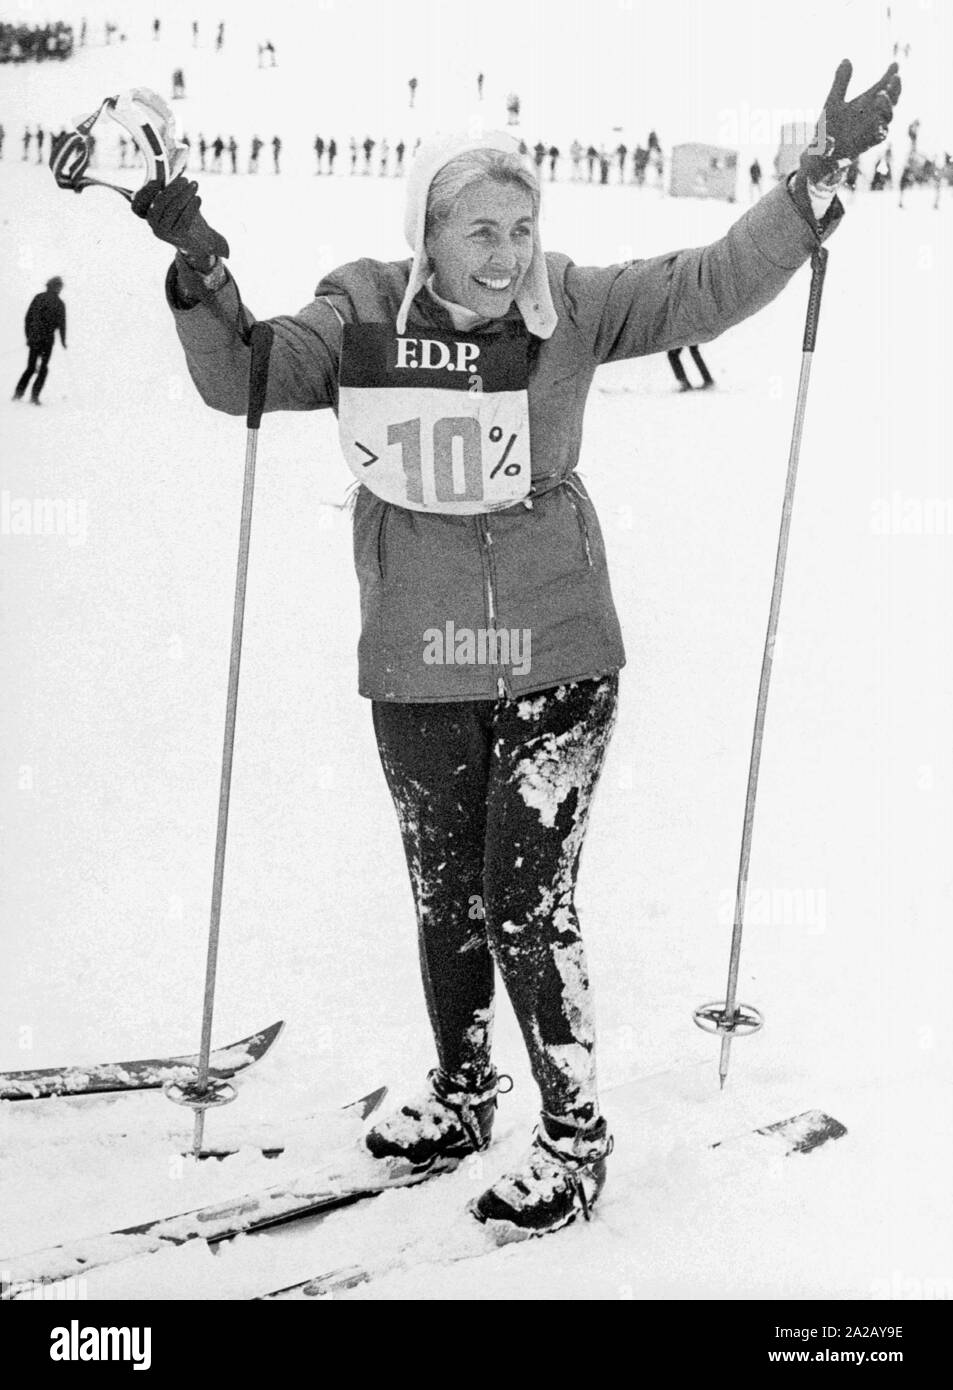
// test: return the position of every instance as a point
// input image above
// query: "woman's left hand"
(847, 128)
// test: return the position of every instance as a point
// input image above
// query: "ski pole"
(204, 1091)
(731, 1018)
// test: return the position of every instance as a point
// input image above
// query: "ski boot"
(439, 1127)
(562, 1175)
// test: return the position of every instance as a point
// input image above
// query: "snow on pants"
(493, 798)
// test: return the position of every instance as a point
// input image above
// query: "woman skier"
(490, 647)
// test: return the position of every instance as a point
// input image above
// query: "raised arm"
(213, 324)
(692, 296)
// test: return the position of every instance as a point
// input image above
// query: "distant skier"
(368, 149)
(40, 136)
(640, 162)
(907, 180)
(45, 318)
(539, 154)
(256, 147)
(479, 86)
(384, 156)
(332, 154)
(674, 361)
(156, 26)
(398, 150)
(553, 153)
(592, 155)
(276, 153)
(218, 146)
(220, 37)
(621, 150)
(512, 109)
(575, 155)
(178, 84)
(754, 191)
(195, 33)
(319, 152)
(603, 165)
(203, 147)
(352, 145)
(27, 141)
(233, 153)
(412, 84)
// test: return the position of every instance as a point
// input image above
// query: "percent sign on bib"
(446, 432)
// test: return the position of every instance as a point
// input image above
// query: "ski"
(148, 1075)
(350, 1177)
(315, 1194)
(468, 1240)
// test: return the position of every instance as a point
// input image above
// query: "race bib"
(437, 423)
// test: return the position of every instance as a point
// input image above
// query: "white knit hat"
(534, 300)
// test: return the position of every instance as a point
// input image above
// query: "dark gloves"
(846, 129)
(172, 212)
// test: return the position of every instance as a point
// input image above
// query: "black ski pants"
(39, 357)
(493, 799)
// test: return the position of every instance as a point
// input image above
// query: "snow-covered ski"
(349, 1176)
(469, 1240)
(147, 1075)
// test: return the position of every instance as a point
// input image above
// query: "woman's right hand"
(173, 212)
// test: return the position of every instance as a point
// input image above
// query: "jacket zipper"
(580, 519)
(380, 542)
(486, 541)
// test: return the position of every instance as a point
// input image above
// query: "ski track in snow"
(116, 644)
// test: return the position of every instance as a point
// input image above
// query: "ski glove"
(847, 128)
(172, 211)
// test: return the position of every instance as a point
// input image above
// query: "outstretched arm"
(694, 295)
(213, 324)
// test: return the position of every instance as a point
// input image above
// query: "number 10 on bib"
(437, 423)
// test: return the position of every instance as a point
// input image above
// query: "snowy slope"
(115, 641)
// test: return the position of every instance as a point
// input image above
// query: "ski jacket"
(538, 566)
(45, 316)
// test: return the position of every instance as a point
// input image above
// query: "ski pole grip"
(260, 340)
(818, 271)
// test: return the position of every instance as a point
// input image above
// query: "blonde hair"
(475, 166)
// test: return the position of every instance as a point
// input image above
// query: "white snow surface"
(115, 648)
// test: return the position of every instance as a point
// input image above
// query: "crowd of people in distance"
(23, 43)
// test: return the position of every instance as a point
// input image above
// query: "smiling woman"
(459, 378)
(480, 230)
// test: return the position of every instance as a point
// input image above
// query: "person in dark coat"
(45, 317)
(754, 174)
